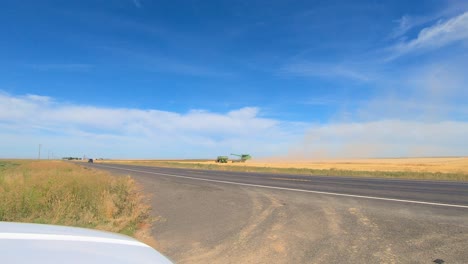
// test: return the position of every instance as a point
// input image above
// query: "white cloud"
(68, 129)
(441, 34)
(192, 134)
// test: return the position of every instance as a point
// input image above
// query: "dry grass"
(449, 168)
(62, 193)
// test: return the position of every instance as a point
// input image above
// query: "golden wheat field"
(442, 164)
(447, 165)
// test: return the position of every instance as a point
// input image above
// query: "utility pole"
(39, 155)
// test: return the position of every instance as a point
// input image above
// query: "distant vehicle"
(90, 160)
(222, 159)
(23, 243)
(243, 157)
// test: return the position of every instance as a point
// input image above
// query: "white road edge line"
(32, 236)
(292, 189)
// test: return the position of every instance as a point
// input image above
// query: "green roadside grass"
(317, 172)
(63, 193)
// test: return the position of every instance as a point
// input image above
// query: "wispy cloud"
(307, 69)
(177, 67)
(155, 62)
(320, 101)
(407, 22)
(430, 91)
(137, 3)
(441, 34)
(60, 66)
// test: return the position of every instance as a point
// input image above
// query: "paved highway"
(230, 217)
(441, 193)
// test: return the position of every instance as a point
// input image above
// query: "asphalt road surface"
(231, 217)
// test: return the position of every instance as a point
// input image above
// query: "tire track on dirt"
(259, 230)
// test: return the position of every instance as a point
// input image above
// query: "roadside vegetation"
(63, 193)
(245, 167)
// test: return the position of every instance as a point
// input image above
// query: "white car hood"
(37, 243)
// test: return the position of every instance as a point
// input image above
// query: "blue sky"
(190, 79)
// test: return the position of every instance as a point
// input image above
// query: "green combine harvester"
(222, 159)
(243, 157)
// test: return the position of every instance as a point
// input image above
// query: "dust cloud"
(424, 116)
